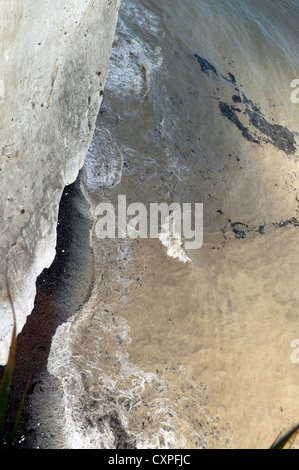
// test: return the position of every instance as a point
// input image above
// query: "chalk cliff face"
(53, 65)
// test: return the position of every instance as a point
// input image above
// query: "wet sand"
(220, 337)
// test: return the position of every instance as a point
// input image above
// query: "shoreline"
(60, 291)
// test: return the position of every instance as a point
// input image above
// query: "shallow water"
(196, 354)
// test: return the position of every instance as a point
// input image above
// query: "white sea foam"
(132, 60)
(103, 164)
(172, 240)
(143, 17)
(103, 390)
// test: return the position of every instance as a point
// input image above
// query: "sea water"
(180, 348)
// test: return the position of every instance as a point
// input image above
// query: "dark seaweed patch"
(239, 233)
(279, 136)
(228, 112)
(231, 79)
(237, 229)
(237, 99)
(284, 223)
(205, 65)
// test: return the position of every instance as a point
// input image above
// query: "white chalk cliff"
(53, 66)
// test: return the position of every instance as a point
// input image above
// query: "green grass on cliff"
(288, 438)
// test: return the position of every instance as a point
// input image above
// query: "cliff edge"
(53, 69)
